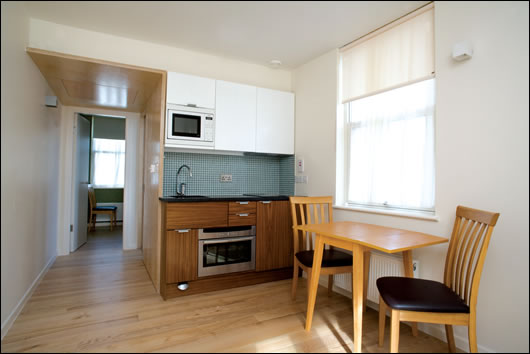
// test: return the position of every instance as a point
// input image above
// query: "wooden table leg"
(358, 294)
(313, 284)
(367, 255)
(409, 273)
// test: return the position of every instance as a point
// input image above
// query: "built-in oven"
(190, 126)
(226, 250)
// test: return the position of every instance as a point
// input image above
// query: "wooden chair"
(95, 210)
(453, 302)
(333, 261)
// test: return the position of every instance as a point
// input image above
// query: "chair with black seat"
(95, 210)
(452, 302)
(333, 260)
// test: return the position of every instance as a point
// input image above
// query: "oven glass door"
(185, 125)
(219, 256)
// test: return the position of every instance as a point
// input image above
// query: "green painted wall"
(108, 128)
(109, 195)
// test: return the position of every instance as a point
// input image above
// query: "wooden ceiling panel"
(93, 83)
(103, 95)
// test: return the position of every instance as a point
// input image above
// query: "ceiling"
(293, 32)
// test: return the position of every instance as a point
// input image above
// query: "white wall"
(481, 155)
(30, 164)
(132, 192)
(71, 40)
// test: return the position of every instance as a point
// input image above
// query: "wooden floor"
(100, 299)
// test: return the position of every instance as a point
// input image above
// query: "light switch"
(300, 165)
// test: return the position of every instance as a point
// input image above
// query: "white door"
(275, 122)
(235, 116)
(82, 153)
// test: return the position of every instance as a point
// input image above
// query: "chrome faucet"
(181, 189)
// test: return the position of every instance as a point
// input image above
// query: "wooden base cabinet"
(274, 235)
(181, 255)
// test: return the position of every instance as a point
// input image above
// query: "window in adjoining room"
(108, 152)
(109, 163)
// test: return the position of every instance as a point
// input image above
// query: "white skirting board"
(16, 311)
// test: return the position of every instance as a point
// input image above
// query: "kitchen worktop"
(223, 198)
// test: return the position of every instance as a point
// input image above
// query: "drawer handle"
(242, 214)
(243, 203)
(183, 231)
(266, 202)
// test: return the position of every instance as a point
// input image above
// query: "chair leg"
(382, 319)
(450, 338)
(111, 221)
(472, 334)
(295, 281)
(309, 281)
(330, 284)
(394, 331)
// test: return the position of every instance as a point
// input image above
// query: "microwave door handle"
(226, 240)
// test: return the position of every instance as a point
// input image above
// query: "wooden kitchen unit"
(182, 223)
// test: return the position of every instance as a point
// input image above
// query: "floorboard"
(100, 299)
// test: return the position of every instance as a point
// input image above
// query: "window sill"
(401, 213)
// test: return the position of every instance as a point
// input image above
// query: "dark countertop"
(223, 198)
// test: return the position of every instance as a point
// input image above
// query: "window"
(388, 95)
(108, 156)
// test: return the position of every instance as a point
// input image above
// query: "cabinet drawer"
(196, 215)
(241, 208)
(242, 219)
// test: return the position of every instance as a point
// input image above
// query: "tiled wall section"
(287, 175)
(250, 174)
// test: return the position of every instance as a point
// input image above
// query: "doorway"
(114, 168)
(99, 178)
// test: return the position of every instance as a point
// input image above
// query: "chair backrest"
(467, 250)
(91, 197)
(309, 210)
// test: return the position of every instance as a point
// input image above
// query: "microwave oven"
(190, 127)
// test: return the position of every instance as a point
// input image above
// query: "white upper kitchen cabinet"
(235, 114)
(191, 90)
(275, 122)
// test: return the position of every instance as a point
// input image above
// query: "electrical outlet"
(226, 178)
(300, 179)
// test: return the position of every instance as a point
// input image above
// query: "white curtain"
(394, 56)
(391, 148)
(108, 161)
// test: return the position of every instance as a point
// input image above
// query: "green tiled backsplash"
(250, 174)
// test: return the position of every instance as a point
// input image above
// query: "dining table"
(361, 239)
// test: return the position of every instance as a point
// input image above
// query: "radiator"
(380, 265)
(104, 219)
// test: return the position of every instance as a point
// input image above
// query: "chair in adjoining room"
(95, 210)
(333, 261)
(453, 302)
